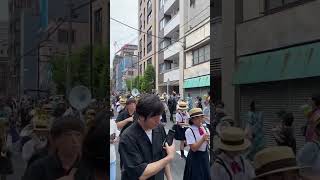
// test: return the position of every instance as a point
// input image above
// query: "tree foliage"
(149, 79)
(80, 70)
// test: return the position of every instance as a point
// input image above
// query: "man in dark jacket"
(141, 144)
(172, 105)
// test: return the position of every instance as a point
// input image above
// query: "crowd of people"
(238, 153)
(54, 140)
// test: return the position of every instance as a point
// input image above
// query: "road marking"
(185, 153)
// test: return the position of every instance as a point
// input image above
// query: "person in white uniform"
(197, 137)
(231, 164)
(309, 155)
(181, 125)
(114, 134)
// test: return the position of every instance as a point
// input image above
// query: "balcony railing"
(172, 25)
(172, 50)
(168, 5)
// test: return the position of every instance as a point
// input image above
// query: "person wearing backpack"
(231, 163)
(309, 155)
(197, 137)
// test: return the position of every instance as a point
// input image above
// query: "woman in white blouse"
(197, 137)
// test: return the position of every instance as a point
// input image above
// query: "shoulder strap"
(242, 163)
(221, 162)
(193, 134)
(317, 143)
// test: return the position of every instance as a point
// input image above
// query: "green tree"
(80, 70)
(149, 78)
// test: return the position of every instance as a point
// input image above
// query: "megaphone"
(80, 97)
(135, 92)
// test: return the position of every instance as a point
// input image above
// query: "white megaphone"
(135, 92)
(80, 97)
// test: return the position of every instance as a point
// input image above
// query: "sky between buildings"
(125, 11)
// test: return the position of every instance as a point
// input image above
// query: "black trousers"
(171, 116)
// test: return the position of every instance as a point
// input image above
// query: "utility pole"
(68, 78)
(91, 49)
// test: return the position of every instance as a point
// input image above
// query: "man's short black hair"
(316, 99)
(220, 104)
(149, 105)
(66, 123)
(130, 101)
(288, 119)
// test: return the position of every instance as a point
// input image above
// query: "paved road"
(177, 165)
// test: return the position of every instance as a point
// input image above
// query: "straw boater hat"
(182, 105)
(195, 112)
(123, 101)
(233, 139)
(274, 160)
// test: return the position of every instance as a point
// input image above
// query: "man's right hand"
(171, 150)
(130, 119)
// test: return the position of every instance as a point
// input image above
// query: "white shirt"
(182, 118)
(119, 108)
(191, 140)
(309, 155)
(113, 129)
(149, 134)
(219, 172)
(28, 148)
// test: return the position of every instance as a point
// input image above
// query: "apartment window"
(162, 44)
(279, 4)
(193, 3)
(149, 47)
(149, 37)
(144, 66)
(140, 44)
(149, 17)
(161, 4)
(144, 15)
(130, 73)
(201, 55)
(98, 25)
(149, 61)
(149, 4)
(161, 24)
(63, 36)
(140, 69)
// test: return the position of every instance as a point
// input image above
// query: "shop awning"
(291, 63)
(202, 81)
(172, 83)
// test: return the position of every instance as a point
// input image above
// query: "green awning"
(202, 81)
(291, 63)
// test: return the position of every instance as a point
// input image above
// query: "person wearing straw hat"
(231, 164)
(181, 123)
(309, 155)
(121, 105)
(125, 118)
(277, 163)
(197, 137)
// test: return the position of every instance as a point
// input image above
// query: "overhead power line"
(137, 29)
